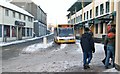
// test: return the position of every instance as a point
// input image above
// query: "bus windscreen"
(65, 32)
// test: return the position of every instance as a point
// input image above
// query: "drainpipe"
(117, 52)
(75, 15)
(70, 18)
(3, 25)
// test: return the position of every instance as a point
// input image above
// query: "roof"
(14, 7)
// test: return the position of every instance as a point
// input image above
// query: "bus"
(64, 33)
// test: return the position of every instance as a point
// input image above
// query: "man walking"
(87, 44)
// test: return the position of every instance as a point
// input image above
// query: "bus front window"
(66, 32)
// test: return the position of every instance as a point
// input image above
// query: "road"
(52, 58)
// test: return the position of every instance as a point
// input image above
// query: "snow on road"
(36, 47)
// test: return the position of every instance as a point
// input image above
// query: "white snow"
(98, 47)
(111, 70)
(36, 47)
(14, 7)
(80, 48)
(62, 46)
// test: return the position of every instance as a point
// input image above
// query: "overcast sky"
(56, 10)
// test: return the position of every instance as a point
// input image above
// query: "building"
(94, 14)
(40, 24)
(97, 14)
(15, 23)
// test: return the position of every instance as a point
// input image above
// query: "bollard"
(45, 40)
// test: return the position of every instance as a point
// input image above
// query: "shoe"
(109, 63)
(85, 67)
(88, 66)
(106, 67)
(103, 62)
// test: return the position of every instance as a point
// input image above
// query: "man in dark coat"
(87, 44)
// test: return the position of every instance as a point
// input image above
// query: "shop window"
(96, 11)
(27, 31)
(0, 30)
(101, 9)
(23, 32)
(14, 30)
(107, 7)
(7, 31)
(30, 31)
(96, 29)
(101, 28)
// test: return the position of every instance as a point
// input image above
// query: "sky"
(56, 10)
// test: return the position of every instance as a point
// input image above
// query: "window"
(29, 19)
(27, 31)
(87, 14)
(24, 17)
(77, 19)
(14, 30)
(107, 7)
(96, 28)
(19, 16)
(97, 11)
(101, 9)
(14, 14)
(101, 28)
(91, 13)
(6, 12)
(30, 31)
(23, 32)
(68, 21)
(74, 20)
(81, 17)
(84, 16)
(0, 30)
(6, 31)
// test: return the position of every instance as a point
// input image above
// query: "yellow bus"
(64, 33)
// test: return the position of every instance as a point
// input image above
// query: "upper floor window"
(24, 17)
(81, 17)
(6, 12)
(87, 14)
(91, 13)
(107, 7)
(96, 11)
(84, 16)
(14, 14)
(29, 19)
(101, 9)
(19, 16)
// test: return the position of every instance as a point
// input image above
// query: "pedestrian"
(105, 49)
(110, 47)
(87, 44)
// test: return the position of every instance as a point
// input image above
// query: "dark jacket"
(87, 42)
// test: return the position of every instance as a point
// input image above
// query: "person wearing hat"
(87, 44)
